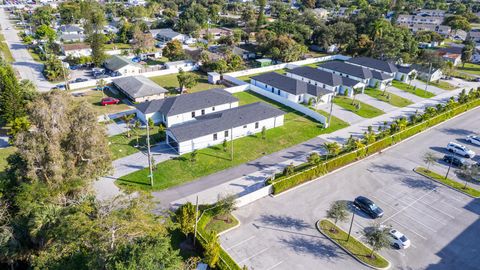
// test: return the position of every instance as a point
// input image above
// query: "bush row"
(283, 183)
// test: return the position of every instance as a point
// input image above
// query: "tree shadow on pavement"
(316, 247)
(284, 222)
(419, 183)
(456, 131)
(388, 169)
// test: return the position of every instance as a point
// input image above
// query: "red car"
(110, 101)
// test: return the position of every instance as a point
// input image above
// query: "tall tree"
(338, 211)
(430, 159)
(174, 50)
(377, 238)
(261, 13)
(186, 79)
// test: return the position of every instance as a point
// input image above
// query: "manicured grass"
(5, 51)
(412, 90)
(4, 154)
(365, 110)
(246, 78)
(170, 83)
(35, 56)
(336, 124)
(296, 129)
(357, 248)
(159, 61)
(117, 46)
(220, 224)
(442, 85)
(394, 100)
(449, 182)
(94, 97)
(463, 75)
(121, 146)
(470, 68)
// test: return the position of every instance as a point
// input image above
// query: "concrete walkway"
(430, 88)
(407, 95)
(116, 128)
(384, 106)
(339, 112)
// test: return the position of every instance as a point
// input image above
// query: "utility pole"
(149, 156)
(231, 144)
(331, 109)
(429, 77)
(196, 221)
(351, 224)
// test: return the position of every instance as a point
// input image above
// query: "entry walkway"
(384, 106)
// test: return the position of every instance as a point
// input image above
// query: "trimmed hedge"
(310, 172)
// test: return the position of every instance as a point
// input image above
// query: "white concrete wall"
(238, 132)
(152, 97)
(279, 92)
(185, 117)
(253, 196)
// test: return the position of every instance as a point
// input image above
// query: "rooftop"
(373, 63)
(352, 70)
(117, 62)
(138, 86)
(290, 85)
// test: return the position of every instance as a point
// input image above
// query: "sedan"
(454, 160)
(110, 101)
(473, 139)
(398, 239)
(368, 206)
(81, 80)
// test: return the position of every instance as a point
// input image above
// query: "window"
(256, 125)
(203, 112)
(215, 136)
(226, 133)
(213, 109)
(193, 114)
(245, 126)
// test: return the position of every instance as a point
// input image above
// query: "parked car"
(460, 150)
(110, 101)
(101, 76)
(454, 160)
(368, 206)
(473, 139)
(398, 239)
(81, 80)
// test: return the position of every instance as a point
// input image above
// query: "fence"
(253, 196)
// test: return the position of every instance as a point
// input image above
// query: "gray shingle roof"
(348, 69)
(165, 32)
(117, 62)
(138, 86)
(187, 102)
(70, 28)
(373, 64)
(224, 120)
(290, 85)
(405, 69)
(318, 75)
(380, 76)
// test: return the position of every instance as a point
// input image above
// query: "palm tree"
(358, 144)
(430, 158)
(369, 137)
(332, 149)
(469, 173)
(127, 118)
(355, 92)
(402, 123)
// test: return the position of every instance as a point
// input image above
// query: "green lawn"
(247, 77)
(117, 46)
(151, 62)
(94, 97)
(296, 129)
(441, 84)
(336, 124)
(35, 56)
(470, 68)
(357, 248)
(462, 75)
(449, 182)
(120, 145)
(220, 223)
(4, 154)
(394, 100)
(5, 51)
(412, 89)
(365, 110)
(170, 83)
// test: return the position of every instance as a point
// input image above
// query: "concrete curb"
(452, 188)
(348, 252)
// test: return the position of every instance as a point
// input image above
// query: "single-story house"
(474, 35)
(167, 34)
(451, 54)
(121, 65)
(216, 32)
(459, 34)
(180, 64)
(245, 54)
(76, 50)
(185, 107)
(70, 38)
(426, 74)
(404, 73)
(328, 80)
(70, 29)
(139, 88)
(374, 65)
(291, 89)
(321, 13)
(214, 128)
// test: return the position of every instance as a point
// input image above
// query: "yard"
(246, 78)
(5, 51)
(117, 46)
(441, 84)
(412, 89)
(394, 100)
(170, 83)
(296, 129)
(365, 111)
(470, 68)
(4, 154)
(94, 97)
(120, 145)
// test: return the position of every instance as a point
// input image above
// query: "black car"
(369, 207)
(454, 160)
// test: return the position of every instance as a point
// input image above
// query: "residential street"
(24, 63)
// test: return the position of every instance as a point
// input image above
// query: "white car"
(473, 139)
(460, 150)
(398, 239)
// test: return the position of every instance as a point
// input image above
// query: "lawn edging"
(232, 228)
(424, 174)
(348, 251)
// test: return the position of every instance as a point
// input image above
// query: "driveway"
(443, 225)
(384, 106)
(431, 88)
(401, 93)
(24, 63)
(341, 113)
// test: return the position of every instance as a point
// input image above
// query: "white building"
(412, 19)
(426, 74)
(443, 30)
(431, 12)
(181, 64)
(167, 34)
(185, 107)
(215, 128)
(122, 66)
(139, 88)
(76, 50)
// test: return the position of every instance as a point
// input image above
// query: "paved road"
(24, 63)
(443, 225)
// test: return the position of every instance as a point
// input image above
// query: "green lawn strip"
(246, 78)
(394, 100)
(357, 248)
(412, 90)
(117, 46)
(4, 154)
(221, 223)
(463, 75)
(121, 146)
(336, 124)
(170, 83)
(35, 56)
(5, 51)
(449, 182)
(366, 111)
(295, 130)
(470, 68)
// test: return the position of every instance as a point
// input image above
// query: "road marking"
(433, 207)
(449, 205)
(277, 264)
(256, 254)
(241, 242)
(395, 198)
(406, 207)
(408, 229)
(419, 222)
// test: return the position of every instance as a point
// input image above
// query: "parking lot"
(442, 224)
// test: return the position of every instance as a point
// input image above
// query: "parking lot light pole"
(351, 224)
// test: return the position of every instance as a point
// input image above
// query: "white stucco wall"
(185, 117)
(279, 92)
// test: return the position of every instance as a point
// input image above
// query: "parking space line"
(275, 265)
(407, 228)
(241, 242)
(409, 205)
(254, 255)
(419, 222)
(393, 196)
(382, 201)
(433, 207)
(449, 205)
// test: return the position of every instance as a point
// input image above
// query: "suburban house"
(426, 74)
(451, 54)
(70, 33)
(292, 89)
(216, 32)
(443, 30)
(167, 34)
(327, 80)
(139, 88)
(245, 54)
(121, 65)
(321, 13)
(474, 35)
(76, 50)
(185, 107)
(431, 12)
(215, 128)
(357, 73)
(405, 73)
(412, 19)
(383, 72)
